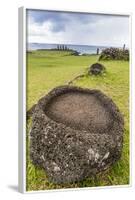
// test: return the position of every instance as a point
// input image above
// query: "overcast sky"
(76, 28)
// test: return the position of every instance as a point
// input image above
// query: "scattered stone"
(96, 69)
(76, 133)
(114, 54)
(76, 78)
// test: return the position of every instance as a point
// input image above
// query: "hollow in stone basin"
(79, 110)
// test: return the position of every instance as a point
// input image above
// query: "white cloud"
(41, 33)
(107, 30)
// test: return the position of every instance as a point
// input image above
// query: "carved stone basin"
(75, 133)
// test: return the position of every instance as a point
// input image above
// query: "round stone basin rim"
(79, 108)
(69, 154)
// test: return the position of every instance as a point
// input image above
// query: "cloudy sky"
(76, 28)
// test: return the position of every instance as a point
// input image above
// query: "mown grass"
(48, 69)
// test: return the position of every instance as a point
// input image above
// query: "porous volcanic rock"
(75, 133)
(96, 69)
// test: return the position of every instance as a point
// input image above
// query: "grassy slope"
(48, 69)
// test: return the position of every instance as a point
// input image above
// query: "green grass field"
(48, 69)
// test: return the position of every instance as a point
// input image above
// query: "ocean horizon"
(88, 49)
